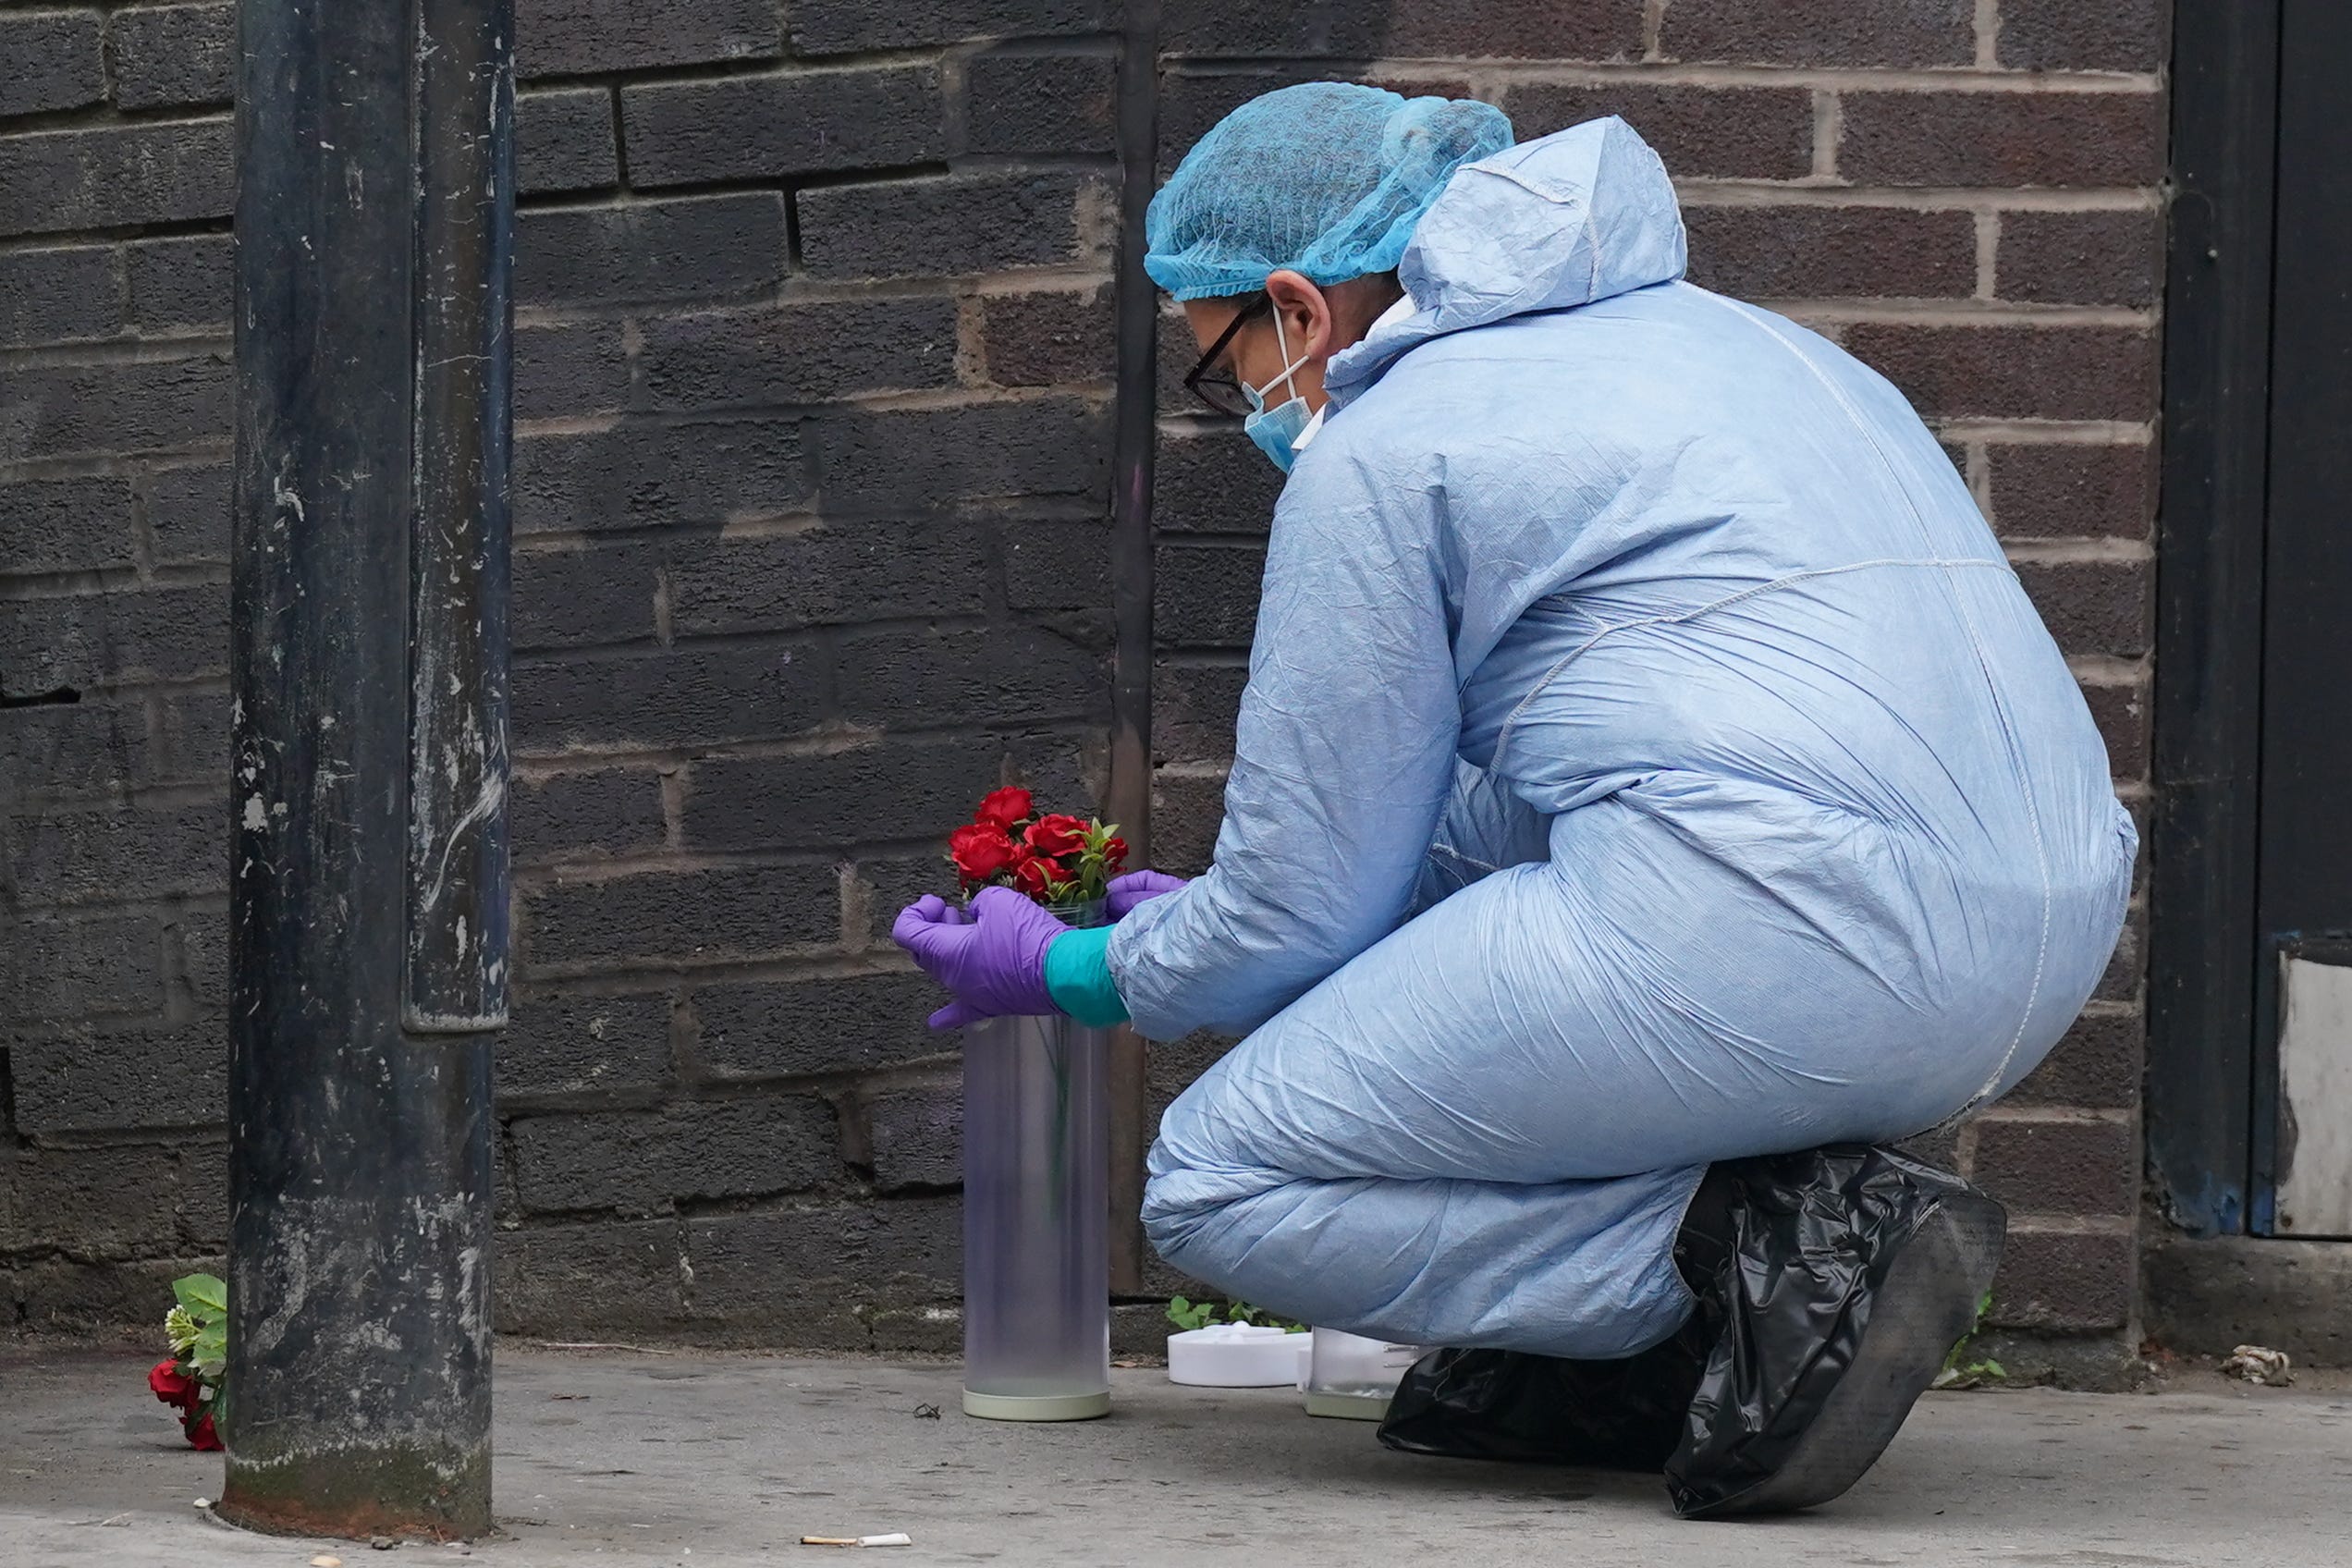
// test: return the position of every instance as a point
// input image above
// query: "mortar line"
(1988, 27)
(2098, 550)
(1893, 79)
(1717, 191)
(2108, 670)
(93, 353)
(1977, 469)
(2046, 432)
(2059, 1224)
(533, 766)
(1964, 313)
(2058, 1115)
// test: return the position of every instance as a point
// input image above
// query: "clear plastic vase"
(1353, 1378)
(1036, 1212)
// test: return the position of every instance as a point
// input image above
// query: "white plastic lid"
(1227, 1333)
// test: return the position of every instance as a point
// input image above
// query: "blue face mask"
(1276, 430)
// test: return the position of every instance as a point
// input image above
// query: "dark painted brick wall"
(813, 391)
(810, 350)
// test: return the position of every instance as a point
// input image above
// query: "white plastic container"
(1236, 1355)
(1351, 1377)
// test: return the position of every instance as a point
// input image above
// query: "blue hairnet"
(1327, 178)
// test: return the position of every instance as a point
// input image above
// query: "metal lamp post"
(369, 890)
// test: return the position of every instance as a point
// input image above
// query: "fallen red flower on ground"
(173, 1386)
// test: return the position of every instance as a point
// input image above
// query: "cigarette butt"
(896, 1538)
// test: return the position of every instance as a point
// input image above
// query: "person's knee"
(1192, 1213)
(1177, 1200)
(1176, 1222)
(1166, 1213)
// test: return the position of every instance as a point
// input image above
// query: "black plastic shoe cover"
(1721, 1404)
(1819, 1231)
(1623, 1414)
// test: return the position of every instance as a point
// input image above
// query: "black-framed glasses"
(1211, 380)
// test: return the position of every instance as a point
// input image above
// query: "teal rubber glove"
(1078, 978)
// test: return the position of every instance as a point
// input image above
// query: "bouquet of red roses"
(1055, 859)
(188, 1380)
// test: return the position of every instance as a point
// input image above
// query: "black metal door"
(2303, 890)
(2251, 881)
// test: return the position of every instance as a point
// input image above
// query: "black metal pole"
(374, 224)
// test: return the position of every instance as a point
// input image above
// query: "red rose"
(202, 1434)
(1115, 855)
(1004, 809)
(1057, 835)
(171, 1385)
(1035, 877)
(981, 851)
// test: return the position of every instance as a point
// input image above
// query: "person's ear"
(1306, 313)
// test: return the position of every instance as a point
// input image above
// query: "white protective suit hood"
(1571, 217)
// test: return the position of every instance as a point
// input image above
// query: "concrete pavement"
(692, 1460)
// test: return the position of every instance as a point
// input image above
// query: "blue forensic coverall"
(1648, 759)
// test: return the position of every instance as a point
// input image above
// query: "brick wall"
(815, 384)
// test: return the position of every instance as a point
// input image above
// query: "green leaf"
(203, 1295)
(1188, 1315)
(1989, 1369)
(1206, 1314)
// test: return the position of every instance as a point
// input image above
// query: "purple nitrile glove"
(1126, 892)
(992, 960)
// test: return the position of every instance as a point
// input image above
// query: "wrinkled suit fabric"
(1648, 758)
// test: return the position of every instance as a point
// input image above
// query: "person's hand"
(992, 959)
(1126, 892)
